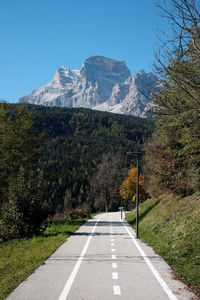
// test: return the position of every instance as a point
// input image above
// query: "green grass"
(177, 239)
(19, 258)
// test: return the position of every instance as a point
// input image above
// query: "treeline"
(55, 159)
(173, 154)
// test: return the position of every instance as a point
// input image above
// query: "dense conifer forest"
(75, 141)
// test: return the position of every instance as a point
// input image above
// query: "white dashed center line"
(114, 265)
(116, 289)
(114, 275)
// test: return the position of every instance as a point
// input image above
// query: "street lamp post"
(137, 198)
(121, 203)
(125, 202)
(137, 192)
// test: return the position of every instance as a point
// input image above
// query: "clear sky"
(38, 36)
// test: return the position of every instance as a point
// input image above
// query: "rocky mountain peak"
(64, 76)
(102, 84)
(99, 66)
(107, 63)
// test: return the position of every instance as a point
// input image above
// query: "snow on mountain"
(101, 84)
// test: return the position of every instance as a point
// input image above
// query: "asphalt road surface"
(103, 260)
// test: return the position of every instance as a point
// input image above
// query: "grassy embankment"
(19, 258)
(172, 228)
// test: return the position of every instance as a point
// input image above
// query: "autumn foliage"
(128, 188)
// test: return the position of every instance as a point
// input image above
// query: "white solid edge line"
(151, 267)
(67, 287)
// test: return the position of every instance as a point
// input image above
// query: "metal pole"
(137, 202)
(125, 201)
(121, 201)
(137, 192)
(125, 206)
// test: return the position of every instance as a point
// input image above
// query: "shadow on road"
(130, 259)
(97, 234)
(104, 223)
(101, 224)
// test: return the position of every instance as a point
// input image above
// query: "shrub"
(24, 214)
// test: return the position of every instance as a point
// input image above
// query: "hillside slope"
(76, 139)
(172, 228)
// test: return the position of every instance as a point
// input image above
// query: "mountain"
(102, 84)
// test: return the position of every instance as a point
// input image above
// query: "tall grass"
(19, 258)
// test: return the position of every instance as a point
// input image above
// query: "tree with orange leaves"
(128, 188)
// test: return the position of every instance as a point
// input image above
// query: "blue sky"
(38, 36)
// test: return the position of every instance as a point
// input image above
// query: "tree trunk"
(106, 206)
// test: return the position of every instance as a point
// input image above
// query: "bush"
(24, 214)
(77, 213)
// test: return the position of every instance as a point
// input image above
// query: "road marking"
(114, 265)
(113, 250)
(114, 257)
(65, 291)
(112, 240)
(116, 289)
(112, 244)
(151, 267)
(114, 275)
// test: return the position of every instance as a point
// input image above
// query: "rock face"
(102, 84)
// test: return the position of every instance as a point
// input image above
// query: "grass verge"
(172, 228)
(19, 258)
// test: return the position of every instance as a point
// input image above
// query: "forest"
(75, 142)
(56, 159)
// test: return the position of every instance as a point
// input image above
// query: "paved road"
(103, 260)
